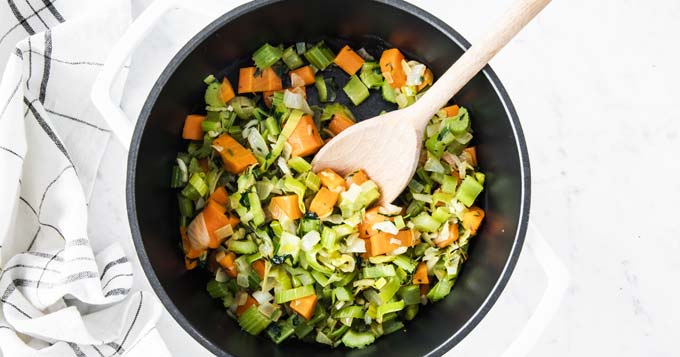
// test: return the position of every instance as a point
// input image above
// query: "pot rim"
(243, 9)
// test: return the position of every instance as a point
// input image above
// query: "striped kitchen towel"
(57, 296)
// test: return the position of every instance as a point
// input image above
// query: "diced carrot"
(235, 158)
(268, 96)
(204, 164)
(390, 66)
(420, 276)
(192, 127)
(323, 202)
(220, 196)
(266, 80)
(190, 251)
(190, 263)
(357, 177)
(304, 306)
(332, 180)
(258, 266)
(214, 217)
(349, 60)
(371, 217)
(424, 289)
(285, 205)
(428, 78)
(339, 123)
(453, 236)
(228, 262)
(305, 139)
(243, 308)
(383, 243)
(226, 90)
(302, 76)
(472, 151)
(451, 110)
(472, 219)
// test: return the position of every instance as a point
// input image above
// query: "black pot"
(219, 49)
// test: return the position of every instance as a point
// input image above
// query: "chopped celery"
(288, 128)
(267, 55)
(280, 331)
(342, 293)
(392, 326)
(196, 188)
(295, 293)
(326, 88)
(209, 79)
(330, 110)
(449, 184)
(243, 107)
(309, 223)
(440, 290)
(468, 191)
(176, 180)
(377, 271)
(352, 311)
(328, 237)
(371, 76)
(320, 56)
(356, 90)
(299, 164)
(389, 307)
(312, 181)
(272, 126)
(242, 246)
(291, 58)
(217, 289)
(405, 263)
(410, 294)
(213, 97)
(253, 321)
(255, 208)
(389, 290)
(410, 312)
(355, 339)
(289, 245)
(425, 223)
(186, 207)
(388, 93)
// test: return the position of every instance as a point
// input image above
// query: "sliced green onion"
(283, 296)
(356, 90)
(468, 191)
(253, 321)
(320, 56)
(267, 55)
(291, 58)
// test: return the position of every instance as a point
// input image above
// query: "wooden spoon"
(388, 146)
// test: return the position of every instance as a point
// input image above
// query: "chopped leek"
(293, 294)
(291, 58)
(320, 56)
(356, 90)
(253, 321)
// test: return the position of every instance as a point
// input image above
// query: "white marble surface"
(594, 83)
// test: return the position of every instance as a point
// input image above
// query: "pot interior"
(228, 44)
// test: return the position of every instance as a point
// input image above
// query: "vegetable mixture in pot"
(310, 255)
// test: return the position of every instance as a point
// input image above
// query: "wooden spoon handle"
(474, 59)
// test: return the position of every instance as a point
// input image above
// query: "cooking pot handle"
(114, 116)
(558, 281)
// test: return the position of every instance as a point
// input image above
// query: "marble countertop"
(592, 82)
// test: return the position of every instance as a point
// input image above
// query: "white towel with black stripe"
(57, 296)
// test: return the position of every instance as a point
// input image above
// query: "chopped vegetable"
(392, 70)
(339, 123)
(305, 139)
(348, 60)
(235, 157)
(250, 82)
(303, 254)
(356, 90)
(302, 76)
(287, 206)
(192, 127)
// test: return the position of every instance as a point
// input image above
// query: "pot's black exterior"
(501, 151)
